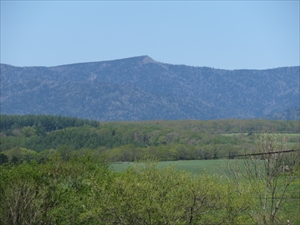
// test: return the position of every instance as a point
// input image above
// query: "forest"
(37, 137)
(56, 170)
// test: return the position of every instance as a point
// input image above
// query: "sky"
(218, 34)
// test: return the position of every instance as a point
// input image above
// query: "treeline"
(39, 136)
(50, 123)
(46, 123)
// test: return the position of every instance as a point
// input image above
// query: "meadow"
(211, 167)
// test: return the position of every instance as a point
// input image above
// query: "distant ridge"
(145, 58)
(141, 88)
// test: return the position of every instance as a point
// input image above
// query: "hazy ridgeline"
(140, 88)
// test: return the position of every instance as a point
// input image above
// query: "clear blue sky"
(219, 34)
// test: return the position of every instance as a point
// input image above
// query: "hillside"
(141, 88)
(288, 114)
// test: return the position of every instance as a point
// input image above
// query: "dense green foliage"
(50, 193)
(41, 123)
(83, 190)
(39, 136)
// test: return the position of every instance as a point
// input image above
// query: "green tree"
(21, 194)
(3, 158)
(145, 194)
(28, 131)
(65, 152)
(56, 192)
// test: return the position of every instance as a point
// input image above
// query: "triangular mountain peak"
(147, 59)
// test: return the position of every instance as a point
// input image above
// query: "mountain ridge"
(144, 57)
(167, 91)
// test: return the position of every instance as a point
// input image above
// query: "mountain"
(140, 88)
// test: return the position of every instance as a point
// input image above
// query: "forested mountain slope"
(288, 114)
(141, 88)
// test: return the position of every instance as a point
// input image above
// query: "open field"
(292, 138)
(290, 135)
(193, 166)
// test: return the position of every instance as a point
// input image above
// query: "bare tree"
(269, 173)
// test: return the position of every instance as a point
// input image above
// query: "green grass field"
(193, 166)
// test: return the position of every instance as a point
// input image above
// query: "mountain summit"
(140, 88)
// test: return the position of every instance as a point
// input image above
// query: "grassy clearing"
(235, 134)
(193, 166)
